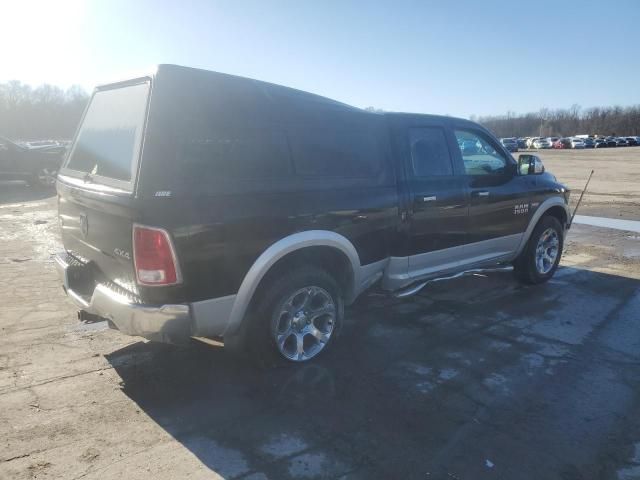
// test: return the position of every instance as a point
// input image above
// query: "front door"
(438, 202)
(499, 202)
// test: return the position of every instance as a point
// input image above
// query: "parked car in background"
(577, 143)
(510, 144)
(53, 148)
(562, 143)
(530, 141)
(589, 142)
(542, 143)
(611, 142)
(621, 142)
(600, 143)
(522, 143)
(469, 147)
(553, 140)
(37, 166)
(632, 141)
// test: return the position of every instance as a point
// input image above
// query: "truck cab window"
(430, 154)
(480, 157)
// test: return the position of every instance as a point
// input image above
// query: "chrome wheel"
(303, 324)
(547, 251)
(46, 177)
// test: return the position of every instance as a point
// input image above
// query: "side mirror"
(530, 165)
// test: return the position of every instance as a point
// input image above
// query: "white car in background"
(577, 143)
(529, 141)
(541, 143)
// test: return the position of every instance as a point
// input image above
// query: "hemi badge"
(163, 193)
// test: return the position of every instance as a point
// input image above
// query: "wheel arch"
(329, 250)
(554, 206)
(558, 212)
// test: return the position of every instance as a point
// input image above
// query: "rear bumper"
(173, 323)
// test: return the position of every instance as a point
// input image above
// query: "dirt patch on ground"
(614, 190)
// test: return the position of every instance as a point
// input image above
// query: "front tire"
(297, 316)
(540, 258)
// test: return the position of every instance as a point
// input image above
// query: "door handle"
(483, 193)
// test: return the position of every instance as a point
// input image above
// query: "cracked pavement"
(474, 378)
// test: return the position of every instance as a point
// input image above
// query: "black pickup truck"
(199, 204)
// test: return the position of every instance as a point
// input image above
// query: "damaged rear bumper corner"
(161, 323)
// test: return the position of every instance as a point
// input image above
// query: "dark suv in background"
(511, 144)
(199, 204)
(37, 166)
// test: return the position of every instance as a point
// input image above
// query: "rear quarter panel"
(218, 238)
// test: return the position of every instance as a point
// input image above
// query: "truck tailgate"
(97, 229)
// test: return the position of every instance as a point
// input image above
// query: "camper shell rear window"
(107, 145)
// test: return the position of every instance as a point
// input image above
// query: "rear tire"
(296, 317)
(540, 258)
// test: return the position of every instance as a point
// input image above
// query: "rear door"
(438, 201)
(499, 199)
(96, 184)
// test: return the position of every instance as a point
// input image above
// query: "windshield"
(109, 139)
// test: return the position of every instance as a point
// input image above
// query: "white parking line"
(615, 223)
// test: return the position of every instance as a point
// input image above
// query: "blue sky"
(447, 57)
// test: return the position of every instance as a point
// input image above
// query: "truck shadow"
(435, 383)
(17, 191)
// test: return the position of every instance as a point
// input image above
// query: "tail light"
(154, 257)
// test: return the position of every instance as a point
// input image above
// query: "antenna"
(580, 199)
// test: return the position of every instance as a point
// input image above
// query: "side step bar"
(419, 285)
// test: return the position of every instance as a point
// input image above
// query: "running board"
(209, 341)
(416, 287)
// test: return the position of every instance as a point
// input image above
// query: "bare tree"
(614, 120)
(44, 112)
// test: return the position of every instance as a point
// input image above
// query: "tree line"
(43, 112)
(49, 112)
(615, 121)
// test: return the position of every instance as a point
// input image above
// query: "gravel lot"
(474, 378)
(614, 190)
